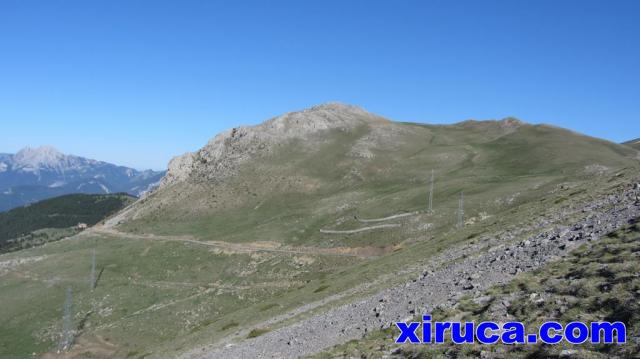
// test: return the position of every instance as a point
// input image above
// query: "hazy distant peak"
(39, 156)
(41, 150)
(37, 173)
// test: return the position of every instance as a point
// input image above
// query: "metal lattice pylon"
(431, 193)
(66, 337)
(92, 275)
(461, 211)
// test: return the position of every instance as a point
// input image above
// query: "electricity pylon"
(66, 338)
(461, 211)
(92, 275)
(431, 193)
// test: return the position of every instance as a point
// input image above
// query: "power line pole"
(461, 211)
(66, 338)
(431, 193)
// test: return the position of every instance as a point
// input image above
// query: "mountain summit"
(34, 174)
(44, 156)
(230, 148)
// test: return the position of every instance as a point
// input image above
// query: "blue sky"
(137, 82)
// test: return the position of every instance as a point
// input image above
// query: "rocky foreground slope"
(598, 281)
(443, 282)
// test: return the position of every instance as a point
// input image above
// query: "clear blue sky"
(137, 82)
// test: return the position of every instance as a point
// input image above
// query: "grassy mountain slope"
(323, 179)
(597, 282)
(233, 236)
(633, 143)
(58, 213)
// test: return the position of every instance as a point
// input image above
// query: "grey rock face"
(179, 169)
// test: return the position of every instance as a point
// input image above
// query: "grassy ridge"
(289, 195)
(633, 143)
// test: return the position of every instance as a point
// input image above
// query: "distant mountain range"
(34, 174)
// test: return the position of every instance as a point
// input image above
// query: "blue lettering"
(544, 332)
(456, 333)
(407, 332)
(570, 333)
(426, 329)
(608, 328)
(441, 330)
(513, 333)
(481, 333)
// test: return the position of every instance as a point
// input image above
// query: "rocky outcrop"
(221, 155)
(510, 123)
(179, 169)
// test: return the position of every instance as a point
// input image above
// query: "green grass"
(257, 332)
(321, 288)
(268, 306)
(229, 326)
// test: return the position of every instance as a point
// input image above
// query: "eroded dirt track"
(230, 247)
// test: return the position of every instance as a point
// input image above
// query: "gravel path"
(385, 218)
(363, 229)
(440, 284)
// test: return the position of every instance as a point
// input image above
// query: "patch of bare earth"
(94, 346)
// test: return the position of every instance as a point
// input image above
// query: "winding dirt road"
(249, 247)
